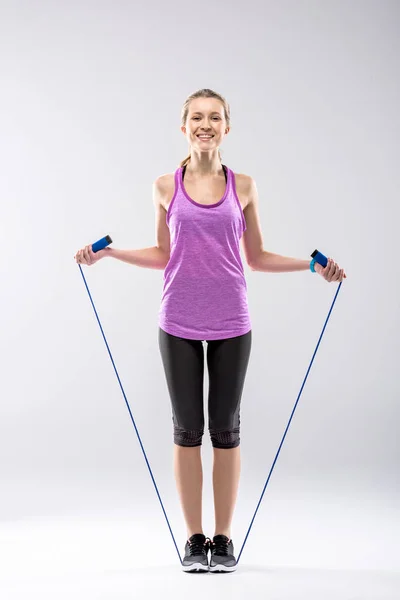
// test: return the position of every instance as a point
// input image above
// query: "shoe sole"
(222, 569)
(195, 568)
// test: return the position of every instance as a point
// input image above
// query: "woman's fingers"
(330, 268)
(85, 256)
(331, 272)
(337, 274)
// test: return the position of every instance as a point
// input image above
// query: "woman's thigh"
(227, 362)
(183, 362)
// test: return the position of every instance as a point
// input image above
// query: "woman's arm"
(148, 258)
(276, 263)
(155, 257)
(259, 259)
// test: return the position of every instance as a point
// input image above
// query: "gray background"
(90, 115)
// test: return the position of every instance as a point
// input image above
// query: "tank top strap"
(183, 169)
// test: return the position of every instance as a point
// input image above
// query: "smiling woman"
(203, 211)
(209, 209)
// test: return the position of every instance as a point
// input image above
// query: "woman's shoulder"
(244, 184)
(165, 180)
(165, 188)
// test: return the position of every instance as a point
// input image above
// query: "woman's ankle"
(195, 532)
(225, 532)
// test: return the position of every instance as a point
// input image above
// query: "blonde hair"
(204, 93)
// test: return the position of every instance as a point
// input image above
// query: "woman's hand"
(86, 256)
(332, 271)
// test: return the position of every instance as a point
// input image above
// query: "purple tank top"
(205, 292)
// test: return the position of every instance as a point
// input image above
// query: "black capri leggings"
(227, 361)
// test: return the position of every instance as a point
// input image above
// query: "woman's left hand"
(332, 271)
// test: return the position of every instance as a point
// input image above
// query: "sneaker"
(222, 558)
(196, 551)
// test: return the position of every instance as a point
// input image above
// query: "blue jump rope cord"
(288, 425)
(140, 441)
(129, 409)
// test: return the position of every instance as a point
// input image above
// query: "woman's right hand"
(86, 256)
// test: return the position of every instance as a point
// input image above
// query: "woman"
(203, 210)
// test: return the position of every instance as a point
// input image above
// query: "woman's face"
(205, 116)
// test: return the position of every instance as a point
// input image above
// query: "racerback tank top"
(204, 293)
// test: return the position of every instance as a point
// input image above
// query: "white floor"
(109, 559)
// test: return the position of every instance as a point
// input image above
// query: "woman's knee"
(227, 438)
(188, 437)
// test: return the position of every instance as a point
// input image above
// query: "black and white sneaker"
(222, 557)
(196, 551)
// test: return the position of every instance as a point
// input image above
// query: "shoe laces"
(198, 545)
(220, 545)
